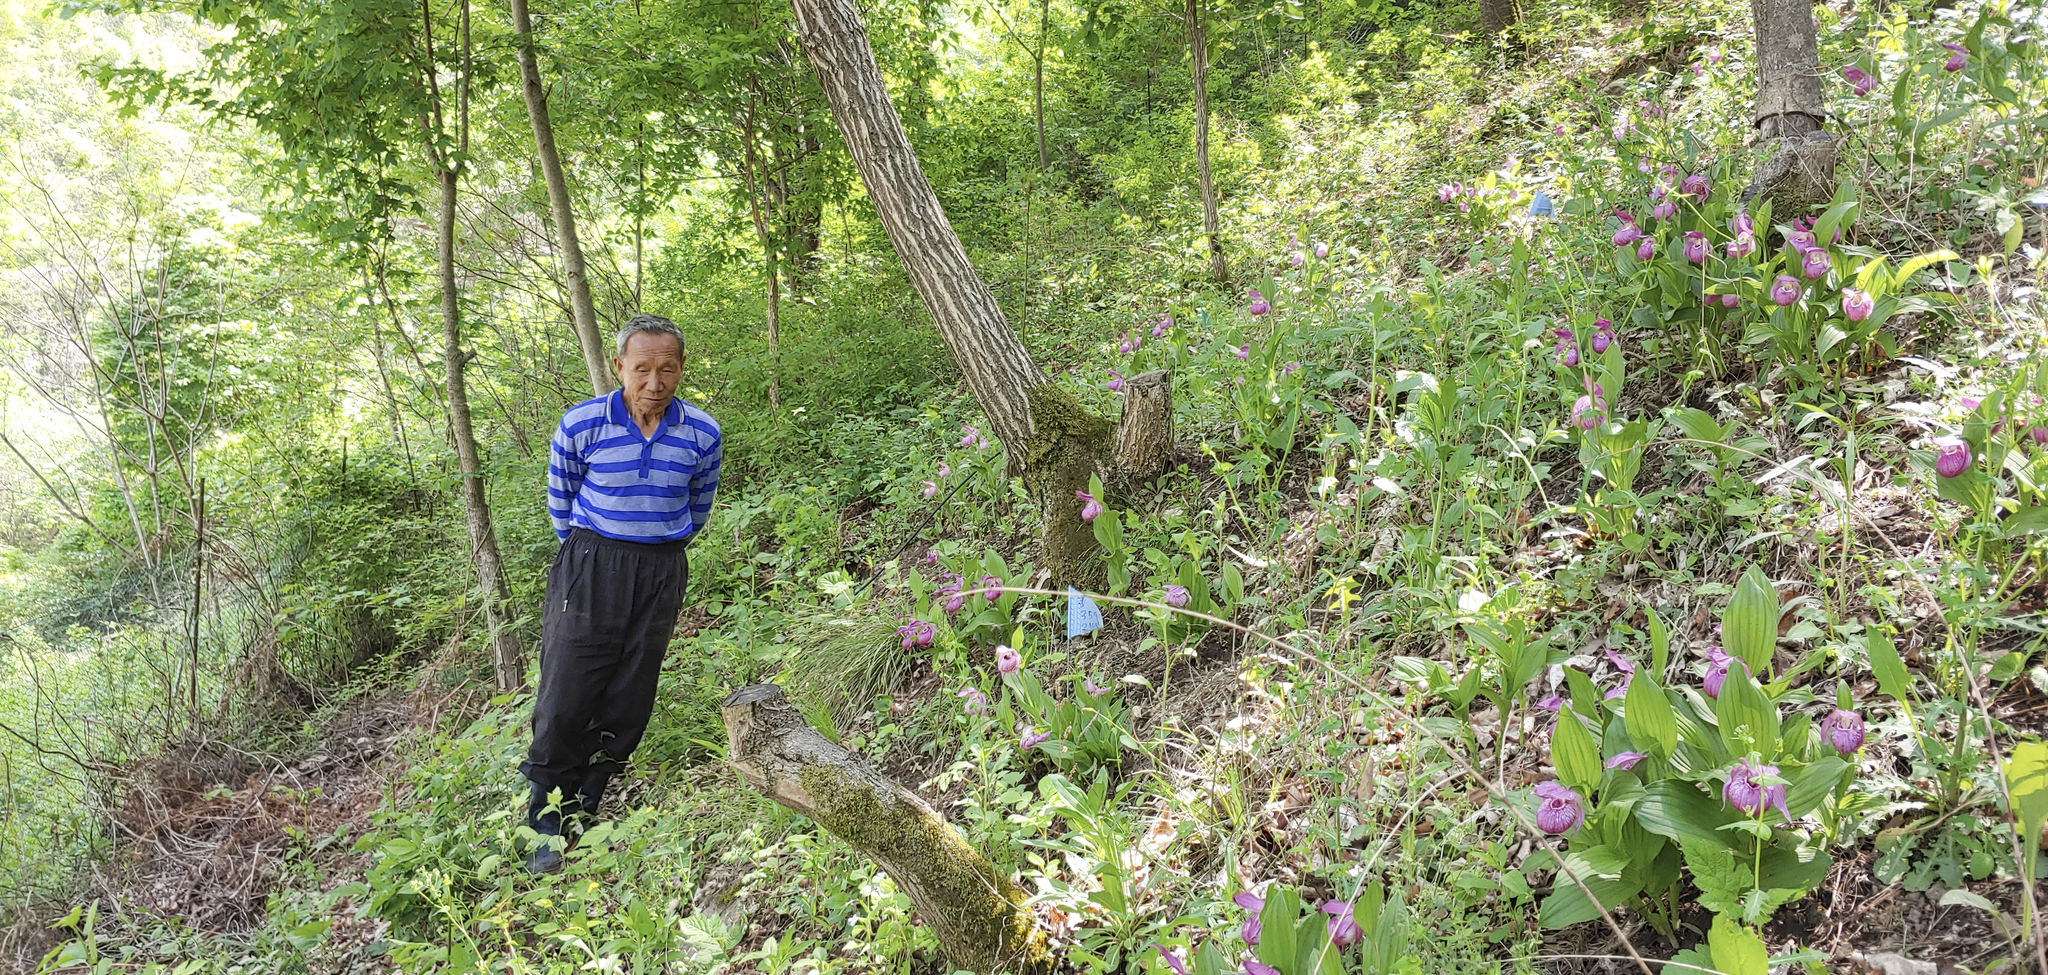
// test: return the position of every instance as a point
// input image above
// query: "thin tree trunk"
(1038, 82)
(1198, 53)
(574, 272)
(1496, 16)
(756, 187)
(1789, 98)
(483, 539)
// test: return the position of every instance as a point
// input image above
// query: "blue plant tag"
(1542, 207)
(1083, 616)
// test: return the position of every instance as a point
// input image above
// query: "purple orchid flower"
(1116, 381)
(1172, 960)
(1344, 929)
(973, 438)
(1646, 248)
(1322, 250)
(1785, 290)
(1567, 348)
(1696, 247)
(1860, 81)
(1816, 264)
(1843, 730)
(1176, 596)
(1243, 352)
(977, 702)
(1258, 305)
(1032, 738)
(1857, 305)
(1603, 335)
(1957, 60)
(1627, 760)
(1730, 300)
(1746, 791)
(1952, 457)
(1160, 328)
(1589, 412)
(1559, 809)
(1091, 509)
(1718, 661)
(1008, 660)
(1695, 186)
(1253, 903)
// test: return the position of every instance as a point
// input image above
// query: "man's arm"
(704, 487)
(565, 478)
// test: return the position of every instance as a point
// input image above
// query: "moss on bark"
(1068, 446)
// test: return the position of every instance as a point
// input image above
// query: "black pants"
(611, 607)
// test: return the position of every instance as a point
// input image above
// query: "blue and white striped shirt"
(604, 476)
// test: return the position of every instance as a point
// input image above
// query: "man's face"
(650, 370)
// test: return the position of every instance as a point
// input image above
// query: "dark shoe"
(587, 799)
(545, 817)
(545, 859)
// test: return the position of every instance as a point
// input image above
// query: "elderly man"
(630, 485)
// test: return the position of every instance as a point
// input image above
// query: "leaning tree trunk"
(1054, 443)
(1790, 108)
(979, 914)
(1198, 54)
(476, 508)
(574, 272)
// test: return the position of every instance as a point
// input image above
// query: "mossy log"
(977, 912)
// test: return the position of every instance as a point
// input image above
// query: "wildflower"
(1294, 259)
(917, 633)
(1243, 352)
(1714, 57)
(1816, 264)
(1559, 809)
(1785, 290)
(1696, 247)
(1646, 248)
(1589, 412)
(1258, 306)
(973, 438)
(1172, 960)
(1952, 457)
(1626, 760)
(1800, 241)
(1344, 929)
(1091, 509)
(1696, 186)
(1603, 335)
(1664, 211)
(1628, 234)
(1008, 660)
(1116, 381)
(1032, 738)
(1290, 369)
(1743, 245)
(1256, 967)
(1746, 791)
(1857, 305)
(1958, 59)
(1730, 301)
(930, 488)
(1860, 81)
(1567, 348)
(931, 556)
(977, 702)
(1553, 703)
(1253, 903)
(956, 603)
(1843, 730)
(1742, 224)
(1445, 192)
(1626, 668)
(1322, 250)
(1130, 343)
(1159, 329)
(1176, 596)
(1718, 661)
(1094, 690)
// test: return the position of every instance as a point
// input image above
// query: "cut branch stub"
(1144, 435)
(978, 913)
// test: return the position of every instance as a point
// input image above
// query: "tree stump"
(978, 913)
(1144, 435)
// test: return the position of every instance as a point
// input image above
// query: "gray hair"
(652, 324)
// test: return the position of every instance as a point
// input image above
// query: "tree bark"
(979, 914)
(476, 509)
(574, 271)
(1496, 16)
(1038, 82)
(1789, 98)
(1144, 435)
(1198, 53)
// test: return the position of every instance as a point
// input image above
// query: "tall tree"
(1198, 55)
(1790, 108)
(1053, 442)
(575, 276)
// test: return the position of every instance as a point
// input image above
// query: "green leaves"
(1575, 754)
(1889, 670)
(2026, 779)
(1649, 719)
(1748, 720)
(1749, 626)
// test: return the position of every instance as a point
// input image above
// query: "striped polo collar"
(616, 409)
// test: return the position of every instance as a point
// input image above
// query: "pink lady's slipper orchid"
(1785, 290)
(1646, 248)
(944, 471)
(1958, 59)
(1445, 192)
(1626, 668)
(956, 603)
(1746, 791)
(1815, 264)
(1091, 509)
(1603, 335)
(1843, 731)
(917, 633)
(973, 438)
(1558, 808)
(1730, 301)
(1344, 929)
(1258, 305)
(1952, 457)
(1130, 343)
(1742, 224)
(1552, 704)
(1589, 412)
(1567, 348)
(1094, 690)
(1664, 211)
(1718, 662)
(1253, 903)
(1742, 246)
(1116, 381)
(1696, 247)
(991, 587)
(1628, 234)
(1294, 259)
(1176, 596)
(1857, 305)
(1627, 760)
(1008, 660)
(1860, 81)
(1322, 250)
(930, 489)
(1243, 352)
(1695, 186)
(1172, 960)
(977, 702)
(1032, 738)
(1253, 966)
(1159, 330)
(1290, 369)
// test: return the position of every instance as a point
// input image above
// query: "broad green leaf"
(1660, 642)
(1567, 904)
(1749, 626)
(1585, 696)
(1277, 921)
(1747, 718)
(1575, 754)
(1812, 783)
(1890, 671)
(2032, 518)
(1649, 718)
(2026, 779)
(1736, 949)
(1678, 810)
